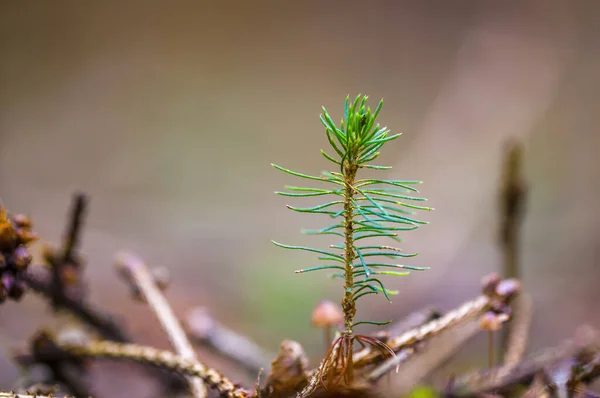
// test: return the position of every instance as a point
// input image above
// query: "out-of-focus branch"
(12, 394)
(430, 355)
(368, 356)
(467, 311)
(288, 373)
(441, 340)
(578, 354)
(512, 204)
(513, 195)
(65, 369)
(102, 322)
(65, 265)
(518, 329)
(390, 364)
(206, 331)
(413, 320)
(158, 358)
(538, 387)
(134, 268)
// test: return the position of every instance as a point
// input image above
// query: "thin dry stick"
(538, 387)
(159, 358)
(413, 320)
(204, 330)
(466, 311)
(103, 323)
(140, 275)
(12, 394)
(520, 325)
(390, 364)
(368, 356)
(436, 351)
(505, 377)
(513, 194)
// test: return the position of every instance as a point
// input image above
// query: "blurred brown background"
(169, 114)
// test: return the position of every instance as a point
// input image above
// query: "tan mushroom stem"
(326, 315)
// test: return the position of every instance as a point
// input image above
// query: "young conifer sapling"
(364, 211)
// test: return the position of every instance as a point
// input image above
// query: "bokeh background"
(169, 114)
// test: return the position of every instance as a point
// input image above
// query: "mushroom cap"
(491, 321)
(327, 313)
(508, 287)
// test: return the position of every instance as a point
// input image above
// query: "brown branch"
(538, 387)
(288, 371)
(434, 353)
(158, 358)
(518, 329)
(72, 236)
(368, 356)
(102, 322)
(52, 286)
(390, 364)
(12, 394)
(60, 264)
(135, 268)
(502, 379)
(66, 369)
(513, 194)
(467, 311)
(206, 331)
(65, 263)
(413, 320)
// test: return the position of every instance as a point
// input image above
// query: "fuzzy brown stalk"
(348, 303)
(513, 195)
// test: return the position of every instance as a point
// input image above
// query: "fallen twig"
(65, 369)
(503, 378)
(390, 364)
(413, 320)
(135, 268)
(434, 353)
(154, 357)
(465, 312)
(102, 323)
(513, 194)
(204, 330)
(519, 326)
(51, 286)
(12, 394)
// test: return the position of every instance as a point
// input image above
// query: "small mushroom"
(508, 288)
(325, 315)
(491, 321)
(489, 283)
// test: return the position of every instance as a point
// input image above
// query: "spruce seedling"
(363, 210)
